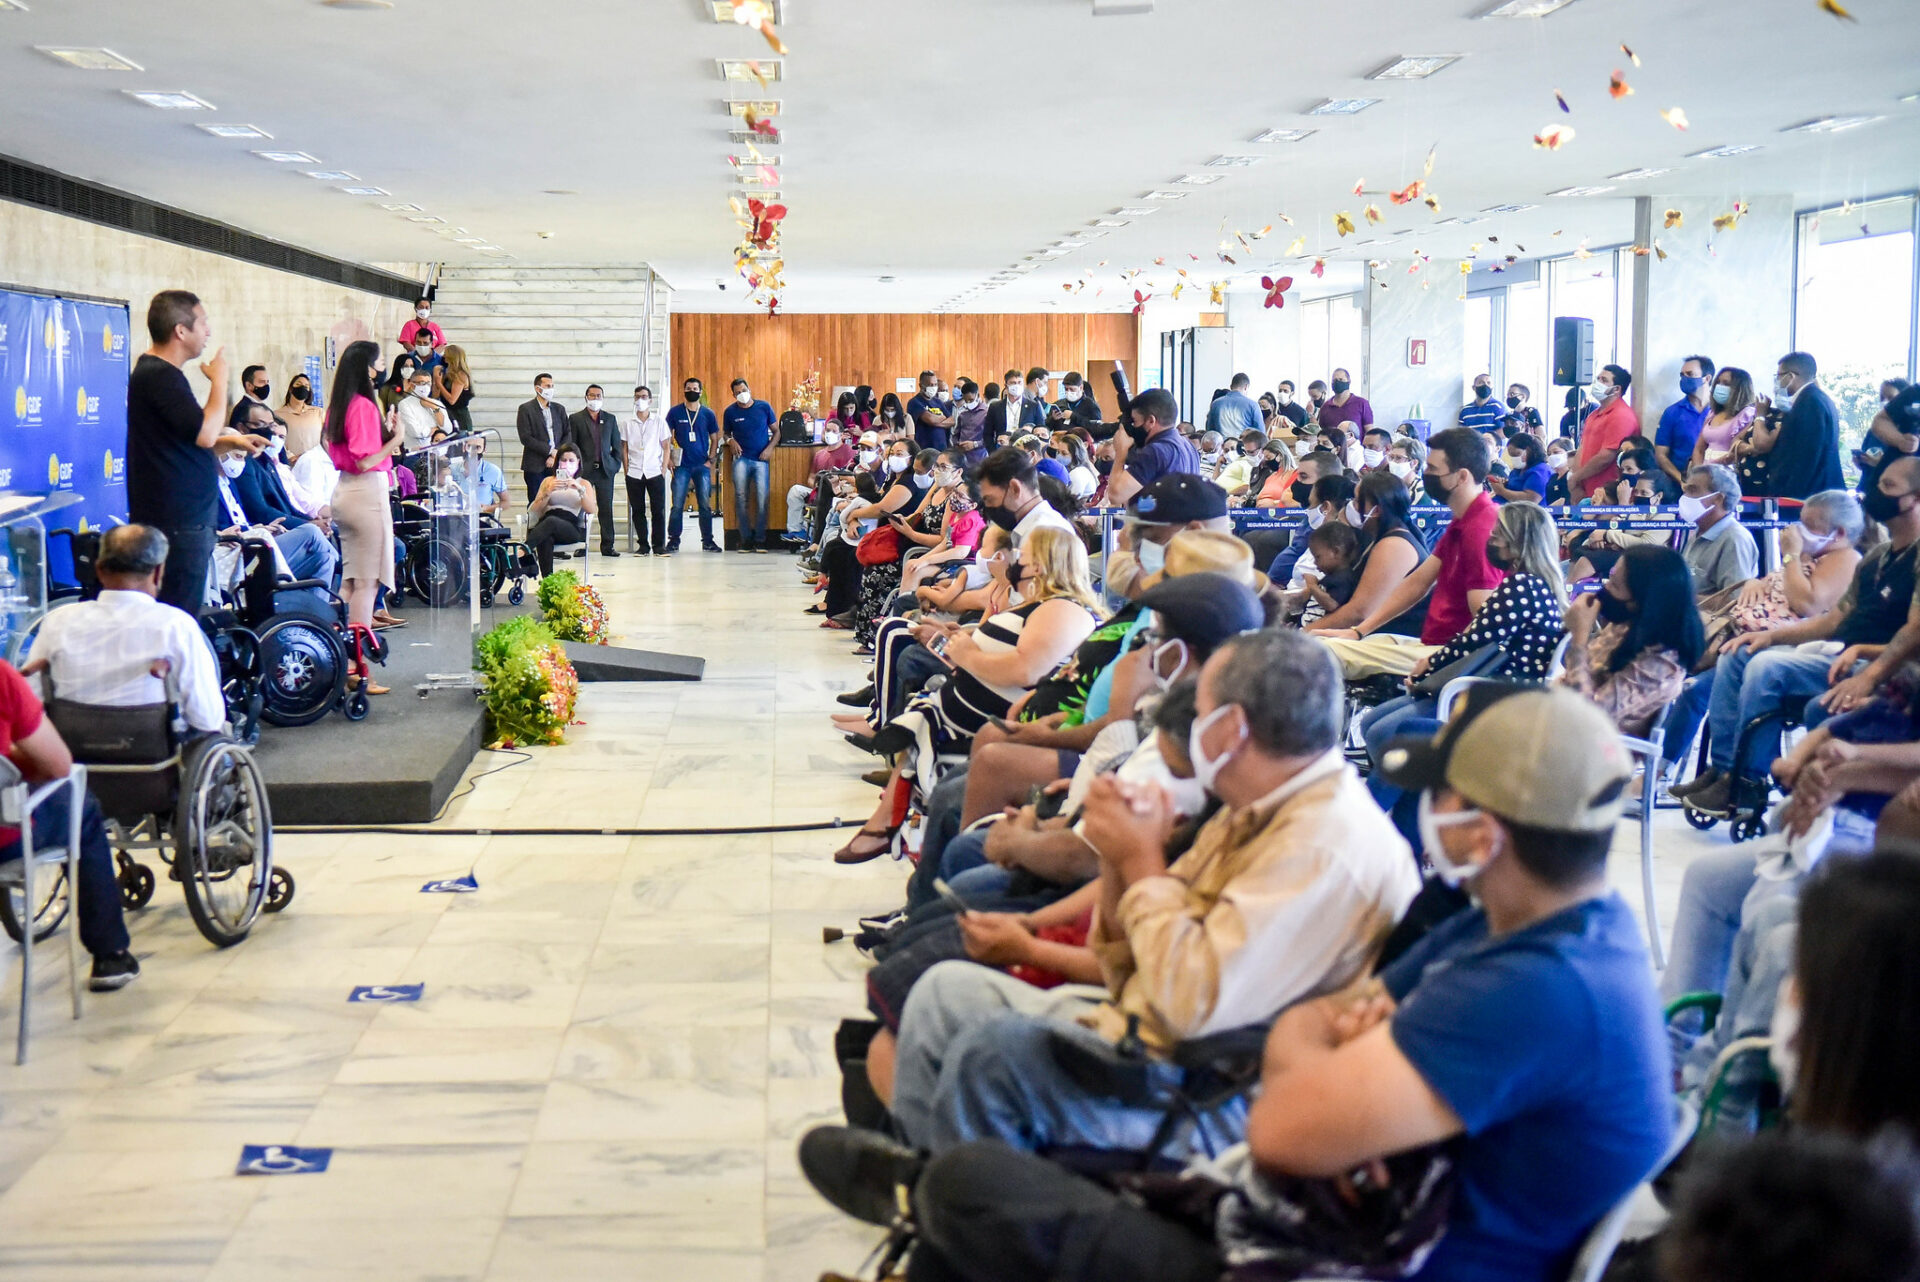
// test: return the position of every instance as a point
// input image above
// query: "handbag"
(880, 546)
(1483, 662)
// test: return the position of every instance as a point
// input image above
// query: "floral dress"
(879, 583)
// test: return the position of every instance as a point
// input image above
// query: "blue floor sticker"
(281, 1159)
(452, 886)
(386, 993)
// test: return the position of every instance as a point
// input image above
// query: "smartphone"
(947, 897)
(939, 644)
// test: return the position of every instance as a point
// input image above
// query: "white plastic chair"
(21, 876)
(1596, 1251)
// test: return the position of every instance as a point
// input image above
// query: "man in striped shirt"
(1485, 414)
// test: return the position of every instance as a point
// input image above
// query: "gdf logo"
(106, 468)
(20, 402)
(106, 340)
(52, 332)
(80, 403)
(53, 469)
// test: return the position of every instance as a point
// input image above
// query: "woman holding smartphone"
(361, 443)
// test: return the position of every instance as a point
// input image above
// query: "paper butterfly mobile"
(1276, 290)
(1140, 302)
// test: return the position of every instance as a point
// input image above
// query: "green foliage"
(572, 609)
(530, 686)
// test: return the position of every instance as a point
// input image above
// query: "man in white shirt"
(107, 651)
(420, 414)
(646, 449)
(303, 552)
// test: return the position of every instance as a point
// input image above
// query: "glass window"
(1529, 339)
(1346, 346)
(1853, 309)
(1477, 348)
(1585, 287)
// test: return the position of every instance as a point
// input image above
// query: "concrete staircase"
(606, 325)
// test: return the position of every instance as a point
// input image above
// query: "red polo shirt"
(20, 714)
(1607, 428)
(1464, 568)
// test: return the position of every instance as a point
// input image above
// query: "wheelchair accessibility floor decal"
(282, 1159)
(452, 886)
(387, 993)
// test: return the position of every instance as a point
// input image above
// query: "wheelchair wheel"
(279, 890)
(240, 683)
(136, 884)
(223, 839)
(516, 594)
(437, 572)
(304, 667)
(1747, 827)
(356, 706)
(1704, 823)
(47, 914)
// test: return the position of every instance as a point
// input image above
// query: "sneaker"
(861, 1172)
(1715, 799)
(1699, 782)
(711, 547)
(609, 551)
(671, 548)
(112, 971)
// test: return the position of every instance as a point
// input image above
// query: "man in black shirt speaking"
(173, 478)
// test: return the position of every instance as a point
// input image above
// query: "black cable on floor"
(421, 830)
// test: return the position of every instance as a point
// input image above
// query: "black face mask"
(1498, 557)
(1302, 491)
(260, 393)
(1015, 573)
(1613, 609)
(1434, 486)
(692, 397)
(1513, 402)
(1481, 393)
(1318, 399)
(1880, 505)
(1340, 385)
(999, 515)
(299, 393)
(1103, 466)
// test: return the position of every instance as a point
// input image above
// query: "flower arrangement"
(572, 609)
(530, 687)
(806, 394)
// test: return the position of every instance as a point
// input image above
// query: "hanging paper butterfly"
(1298, 247)
(1343, 223)
(1674, 218)
(1319, 267)
(1617, 84)
(1409, 193)
(1140, 302)
(1833, 7)
(1431, 153)
(1675, 116)
(1276, 290)
(1217, 293)
(1553, 137)
(766, 222)
(1433, 203)
(1359, 186)
(1632, 57)
(1562, 100)
(1372, 212)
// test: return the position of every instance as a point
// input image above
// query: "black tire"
(516, 594)
(279, 890)
(1703, 822)
(51, 912)
(486, 599)
(1746, 828)
(304, 667)
(437, 572)
(223, 839)
(136, 886)
(241, 683)
(356, 706)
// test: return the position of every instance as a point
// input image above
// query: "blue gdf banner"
(63, 402)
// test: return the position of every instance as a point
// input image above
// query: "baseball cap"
(1204, 609)
(1543, 757)
(1208, 552)
(1176, 499)
(869, 438)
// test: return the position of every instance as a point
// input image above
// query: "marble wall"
(1266, 342)
(1398, 312)
(260, 315)
(1728, 295)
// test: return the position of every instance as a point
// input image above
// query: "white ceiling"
(941, 142)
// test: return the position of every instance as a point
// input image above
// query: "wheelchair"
(306, 649)
(199, 801)
(434, 569)
(1747, 802)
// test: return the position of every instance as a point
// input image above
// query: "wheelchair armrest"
(1228, 1049)
(1708, 1004)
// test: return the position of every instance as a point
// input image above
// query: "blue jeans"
(701, 478)
(103, 930)
(943, 808)
(1406, 715)
(1684, 717)
(1748, 685)
(310, 554)
(750, 519)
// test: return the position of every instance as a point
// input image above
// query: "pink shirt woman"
(361, 430)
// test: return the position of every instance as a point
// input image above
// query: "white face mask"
(277, 446)
(1430, 824)
(928, 393)
(971, 402)
(745, 398)
(1352, 515)
(1402, 468)
(896, 464)
(832, 438)
(1071, 394)
(1151, 556)
(1784, 1034)
(594, 404)
(1206, 769)
(1371, 457)
(422, 312)
(1814, 544)
(568, 468)
(1557, 460)
(868, 456)
(1692, 508)
(1599, 391)
(643, 403)
(423, 350)
(544, 393)
(946, 477)
(423, 392)
(1315, 518)
(233, 465)
(1515, 460)
(1722, 393)
(1014, 391)
(1782, 394)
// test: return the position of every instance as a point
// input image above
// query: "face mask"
(1692, 508)
(1613, 609)
(1071, 395)
(1814, 544)
(1435, 486)
(1450, 873)
(423, 392)
(1318, 398)
(423, 350)
(1481, 391)
(1286, 396)
(946, 477)
(422, 312)
(896, 464)
(832, 438)
(1206, 769)
(1301, 491)
(233, 465)
(299, 393)
(1498, 557)
(1402, 468)
(1014, 391)
(692, 395)
(593, 406)
(1151, 556)
(1689, 385)
(277, 446)
(544, 393)
(1557, 460)
(1722, 393)
(1315, 518)
(1015, 573)
(868, 456)
(971, 402)
(1001, 516)
(1784, 1034)
(1782, 395)
(1371, 457)
(1598, 390)
(642, 403)
(1513, 402)
(568, 468)
(1340, 385)
(1168, 669)
(1352, 515)
(1880, 505)
(744, 398)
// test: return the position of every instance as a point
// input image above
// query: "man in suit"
(255, 389)
(597, 434)
(543, 427)
(1800, 437)
(1013, 411)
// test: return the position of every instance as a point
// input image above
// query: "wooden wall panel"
(773, 353)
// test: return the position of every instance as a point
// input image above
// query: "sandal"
(848, 855)
(373, 687)
(818, 607)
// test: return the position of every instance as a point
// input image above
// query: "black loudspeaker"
(1572, 351)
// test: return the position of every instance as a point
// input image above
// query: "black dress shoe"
(856, 698)
(864, 742)
(609, 551)
(859, 1171)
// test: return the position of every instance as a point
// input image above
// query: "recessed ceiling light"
(170, 99)
(1730, 149)
(1909, 97)
(1162, 194)
(761, 106)
(1414, 66)
(1091, 232)
(1108, 222)
(1069, 244)
(424, 218)
(743, 68)
(1234, 162)
(1198, 180)
(366, 191)
(470, 240)
(1136, 212)
(1580, 191)
(288, 157)
(358, 4)
(1635, 175)
(1830, 124)
(401, 208)
(1503, 209)
(235, 131)
(12, 6)
(1340, 106)
(332, 175)
(723, 10)
(1466, 219)
(90, 58)
(1524, 9)
(1282, 135)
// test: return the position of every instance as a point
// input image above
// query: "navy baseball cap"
(1177, 499)
(1204, 610)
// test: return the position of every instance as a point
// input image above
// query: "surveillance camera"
(722, 284)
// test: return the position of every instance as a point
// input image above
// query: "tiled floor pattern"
(619, 1041)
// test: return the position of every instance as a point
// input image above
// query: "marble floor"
(618, 1041)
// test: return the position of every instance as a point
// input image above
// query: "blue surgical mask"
(1722, 393)
(1151, 556)
(1689, 385)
